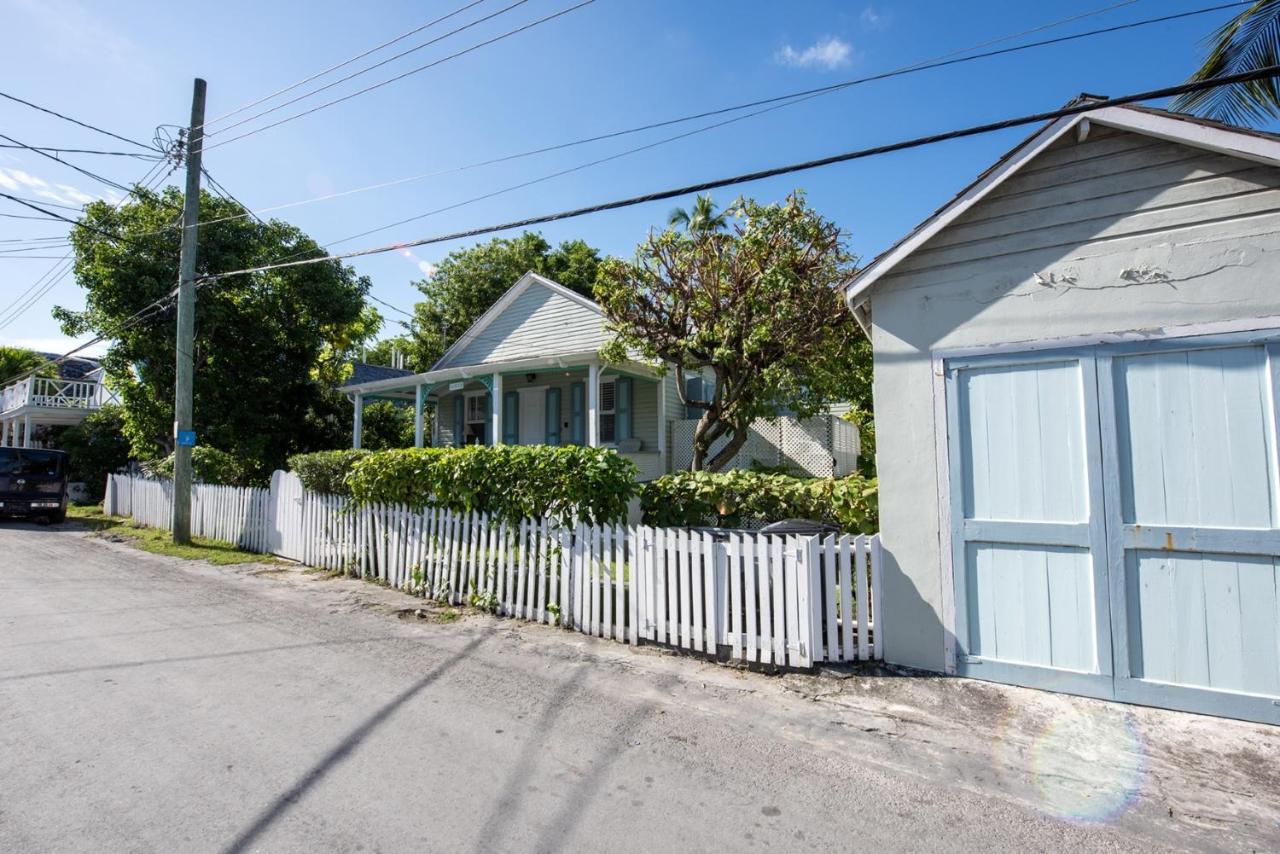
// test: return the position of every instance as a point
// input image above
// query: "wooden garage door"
(1115, 526)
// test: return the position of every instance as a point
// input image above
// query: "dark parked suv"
(33, 483)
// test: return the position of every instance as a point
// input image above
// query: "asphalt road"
(147, 704)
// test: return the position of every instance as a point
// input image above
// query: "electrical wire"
(1269, 71)
(22, 303)
(788, 100)
(75, 121)
(94, 175)
(345, 62)
(398, 77)
(54, 150)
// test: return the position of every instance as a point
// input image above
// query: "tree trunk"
(731, 448)
(705, 433)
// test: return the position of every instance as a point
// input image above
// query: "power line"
(54, 150)
(75, 121)
(50, 204)
(346, 62)
(226, 194)
(1269, 71)
(22, 303)
(367, 69)
(403, 75)
(778, 102)
(95, 176)
(920, 66)
(54, 215)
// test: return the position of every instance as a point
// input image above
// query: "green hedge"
(509, 481)
(326, 471)
(208, 465)
(727, 499)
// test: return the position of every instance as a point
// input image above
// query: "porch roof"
(397, 386)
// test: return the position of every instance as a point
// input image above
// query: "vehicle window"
(8, 462)
(41, 464)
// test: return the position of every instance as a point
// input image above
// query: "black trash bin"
(802, 527)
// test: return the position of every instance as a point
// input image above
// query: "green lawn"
(159, 542)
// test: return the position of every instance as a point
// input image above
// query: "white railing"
(53, 393)
(787, 601)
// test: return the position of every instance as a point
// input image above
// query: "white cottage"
(1077, 366)
(528, 372)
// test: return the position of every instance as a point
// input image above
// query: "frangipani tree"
(756, 304)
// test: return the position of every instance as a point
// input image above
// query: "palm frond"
(1247, 42)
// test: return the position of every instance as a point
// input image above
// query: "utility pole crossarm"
(183, 391)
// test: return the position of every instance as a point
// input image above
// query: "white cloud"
(18, 181)
(873, 19)
(828, 53)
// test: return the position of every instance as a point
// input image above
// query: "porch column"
(357, 426)
(419, 401)
(26, 431)
(4, 433)
(593, 405)
(495, 409)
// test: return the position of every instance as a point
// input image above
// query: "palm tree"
(1249, 41)
(700, 219)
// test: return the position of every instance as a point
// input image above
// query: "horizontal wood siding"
(1112, 186)
(537, 323)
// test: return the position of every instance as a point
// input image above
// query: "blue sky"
(128, 66)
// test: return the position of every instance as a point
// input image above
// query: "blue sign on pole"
(186, 438)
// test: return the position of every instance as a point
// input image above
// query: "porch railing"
(54, 393)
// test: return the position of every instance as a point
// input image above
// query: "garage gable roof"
(1161, 124)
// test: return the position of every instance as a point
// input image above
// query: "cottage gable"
(1099, 183)
(536, 318)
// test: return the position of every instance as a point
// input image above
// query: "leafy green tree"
(1247, 42)
(756, 304)
(269, 347)
(388, 426)
(96, 447)
(701, 217)
(17, 361)
(470, 280)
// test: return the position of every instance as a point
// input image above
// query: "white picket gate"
(775, 600)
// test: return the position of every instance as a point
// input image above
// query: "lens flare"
(1079, 763)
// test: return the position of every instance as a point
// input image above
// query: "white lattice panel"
(818, 447)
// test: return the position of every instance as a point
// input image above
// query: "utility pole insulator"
(183, 392)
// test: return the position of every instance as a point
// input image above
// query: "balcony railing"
(53, 393)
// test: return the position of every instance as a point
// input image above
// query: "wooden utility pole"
(184, 437)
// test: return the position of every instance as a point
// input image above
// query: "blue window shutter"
(459, 420)
(578, 413)
(511, 418)
(622, 407)
(553, 416)
(693, 391)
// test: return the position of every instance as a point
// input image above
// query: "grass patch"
(159, 542)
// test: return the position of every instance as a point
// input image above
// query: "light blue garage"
(1077, 367)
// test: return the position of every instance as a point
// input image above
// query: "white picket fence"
(783, 601)
(232, 514)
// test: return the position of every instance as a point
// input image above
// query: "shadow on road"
(342, 750)
(507, 804)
